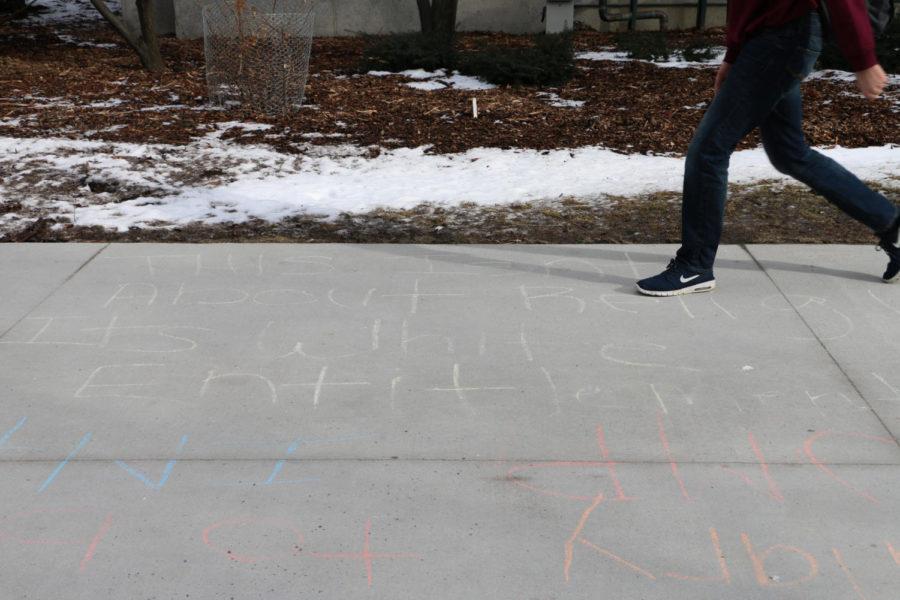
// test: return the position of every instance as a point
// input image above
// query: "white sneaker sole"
(706, 286)
(892, 279)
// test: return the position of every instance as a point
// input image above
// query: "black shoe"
(676, 280)
(890, 243)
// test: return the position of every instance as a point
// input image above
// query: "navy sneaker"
(676, 280)
(890, 243)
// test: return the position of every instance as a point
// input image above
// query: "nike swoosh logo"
(685, 280)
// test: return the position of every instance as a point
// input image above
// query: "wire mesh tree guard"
(257, 53)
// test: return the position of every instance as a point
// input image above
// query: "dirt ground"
(765, 213)
(84, 83)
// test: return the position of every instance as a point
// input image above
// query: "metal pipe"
(633, 15)
(701, 14)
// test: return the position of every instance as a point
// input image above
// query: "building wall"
(511, 16)
(348, 17)
(587, 11)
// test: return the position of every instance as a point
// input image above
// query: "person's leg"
(890, 243)
(771, 65)
(725, 124)
(783, 139)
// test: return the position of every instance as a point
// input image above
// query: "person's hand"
(721, 75)
(871, 82)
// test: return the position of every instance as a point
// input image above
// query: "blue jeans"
(763, 90)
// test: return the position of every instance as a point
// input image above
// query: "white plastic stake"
(475, 108)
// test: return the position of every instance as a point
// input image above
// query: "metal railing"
(634, 14)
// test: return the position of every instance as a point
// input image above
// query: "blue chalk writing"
(5, 437)
(167, 471)
(308, 441)
(278, 466)
(60, 466)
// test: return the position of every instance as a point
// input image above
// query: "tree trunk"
(438, 16)
(151, 57)
(145, 43)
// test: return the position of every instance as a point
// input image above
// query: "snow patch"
(70, 39)
(438, 80)
(848, 77)
(111, 103)
(69, 12)
(675, 61)
(257, 182)
(554, 100)
(428, 86)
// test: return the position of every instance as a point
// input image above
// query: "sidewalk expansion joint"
(54, 290)
(485, 461)
(824, 346)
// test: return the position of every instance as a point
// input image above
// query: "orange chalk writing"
(570, 543)
(618, 559)
(243, 522)
(604, 453)
(724, 573)
(894, 554)
(19, 521)
(774, 490)
(98, 537)
(672, 463)
(759, 566)
(840, 561)
(366, 556)
(808, 450)
(608, 464)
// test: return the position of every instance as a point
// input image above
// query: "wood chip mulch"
(52, 86)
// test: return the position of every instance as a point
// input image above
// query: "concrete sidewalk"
(504, 422)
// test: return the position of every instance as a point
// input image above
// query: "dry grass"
(765, 213)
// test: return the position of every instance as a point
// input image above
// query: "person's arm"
(853, 30)
(733, 20)
(732, 45)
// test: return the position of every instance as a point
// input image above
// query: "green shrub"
(399, 52)
(644, 45)
(549, 61)
(887, 47)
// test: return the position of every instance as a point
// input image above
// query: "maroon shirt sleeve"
(853, 30)
(736, 25)
(849, 23)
